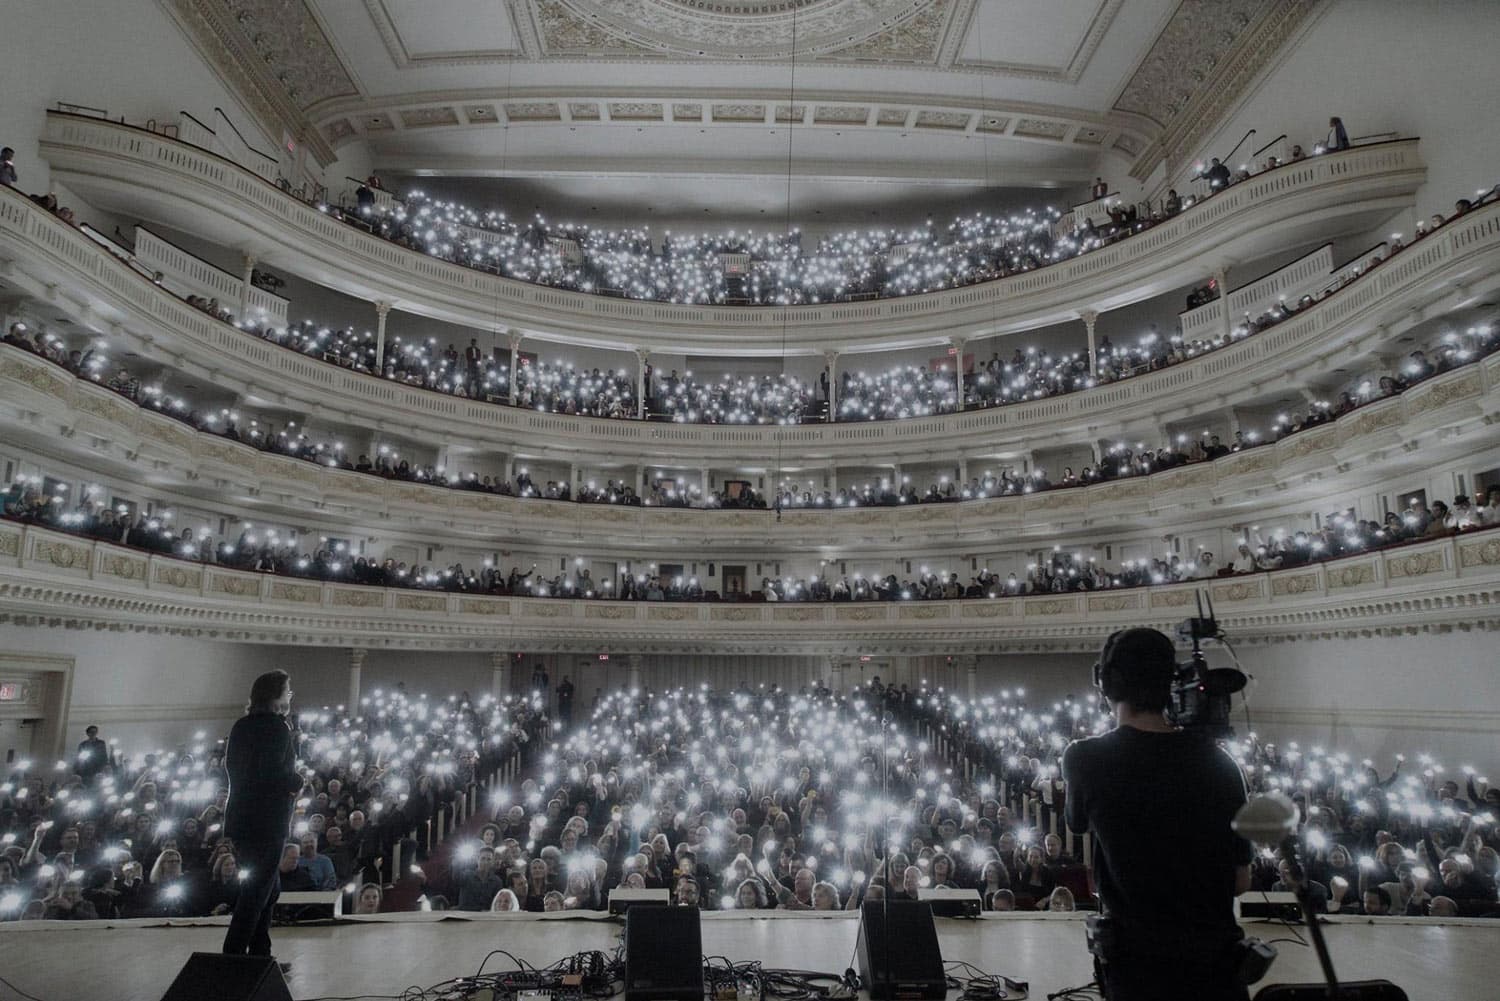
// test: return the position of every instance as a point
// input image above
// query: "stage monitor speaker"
(900, 960)
(663, 954)
(1349, 990)
(213, 976)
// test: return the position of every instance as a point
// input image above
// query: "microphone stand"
(1314, 926)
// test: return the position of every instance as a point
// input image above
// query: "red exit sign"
(10, 691)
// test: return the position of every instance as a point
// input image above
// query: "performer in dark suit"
(261, 759)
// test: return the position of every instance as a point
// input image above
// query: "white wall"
(147, 690)
(1378, 696)
(124, 56)
(1419, 69)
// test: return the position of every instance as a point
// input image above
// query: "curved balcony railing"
(140, 172)
(1447, 414)
(49, 576)
(1448, 269)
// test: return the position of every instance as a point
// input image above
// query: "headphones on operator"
(1103, 667)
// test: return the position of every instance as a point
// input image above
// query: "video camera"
(1200, 697)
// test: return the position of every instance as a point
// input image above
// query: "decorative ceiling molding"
(1261, 48)
(273, 55)
(1072, 72)
(351, 119)
(404, 58)
(792, 29)
(1200, 65)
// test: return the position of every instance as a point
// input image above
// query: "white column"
(1090, 317)
(1221, 276)
(640, 482)
(706, 482)
(833, 479)
(642, 359)
(831, 359)
(248, 263)
(633, 662)
(499, 673)
(971, 666)
(515, 363)
(958, 367)
(382, 310)
(356, 668)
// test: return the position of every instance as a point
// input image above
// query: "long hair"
(265, 690)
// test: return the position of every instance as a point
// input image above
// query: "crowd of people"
(749, 799)
(768, 268)
(266, 549)
(895, 393)
(118, 833)
(1119, 460)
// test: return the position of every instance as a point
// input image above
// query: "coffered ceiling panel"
(467, 32)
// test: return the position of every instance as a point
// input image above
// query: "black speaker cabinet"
(213, 976)
(1349, 990)
(898, 952)
(663, 954)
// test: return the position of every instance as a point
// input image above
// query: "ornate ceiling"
(1044, 91)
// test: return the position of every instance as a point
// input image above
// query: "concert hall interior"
(816, 500)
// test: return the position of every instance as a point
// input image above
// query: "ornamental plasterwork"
(1040, 128)
(1113, 602)
(61, 555)
(739, 112)
(1445, 393)
(179, 577)
(583, 111)
(1351, 576)
(426, 117)
(1479, 554)
(635, 109)
(239, 587)
(732, 31)
(1238, 591)
(532, 111)
(124, 567)
(36, 376)
(688, 110)
(350, 598)
(925, 612)
(1299, 584)
(1197, 37)
(612, 612)
(307, 594)
(943, 119)
(988, 610)
(1414, 565)
(1170, 599)
(840, 113)
(483, 606)
(10, 544)
(1204, 61)
(421, 603)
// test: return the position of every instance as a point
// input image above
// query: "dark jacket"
(261, 759)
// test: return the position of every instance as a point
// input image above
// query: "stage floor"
(129, 961)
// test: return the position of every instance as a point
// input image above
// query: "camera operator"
(1172, 938)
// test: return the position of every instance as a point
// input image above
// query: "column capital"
(959, 340)
(514, 338)
(1089, 316)
(382, 308)
(248, 260)
(830, 355)
(500, 658)
(641, 355)
(357, 657)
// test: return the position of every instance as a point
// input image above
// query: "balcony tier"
(51, 578)
(51, 261)
(140, 173)
(1446, 417)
